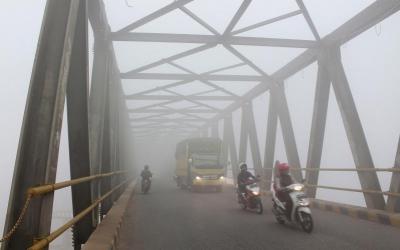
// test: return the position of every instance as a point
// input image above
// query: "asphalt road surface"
(172, 219)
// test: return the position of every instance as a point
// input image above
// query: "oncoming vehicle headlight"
(256, 193)
(198, 178)
(298, 187)
(221, 178)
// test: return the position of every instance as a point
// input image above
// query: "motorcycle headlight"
(221, 178)
(198, 178)
(298, 187)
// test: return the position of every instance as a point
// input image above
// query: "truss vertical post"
(106, 161)
(37, 156)
(243, 137)
(78, 126)
(393, 203)
(253, 139)
(204, 132)
(355, 133)
(225, 146)
(97, 105)
(214, 130)
(317, 133)
(279, 97)
(270, 142)
(228, 129)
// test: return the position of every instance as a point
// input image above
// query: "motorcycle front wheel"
(260, 208)
(307, 223)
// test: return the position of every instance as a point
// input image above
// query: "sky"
(371, 63)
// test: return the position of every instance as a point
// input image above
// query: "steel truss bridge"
(102, 127)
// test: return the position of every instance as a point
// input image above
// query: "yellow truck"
(199, 164)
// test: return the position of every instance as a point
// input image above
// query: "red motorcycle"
(251, 197)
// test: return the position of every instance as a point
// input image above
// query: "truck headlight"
(198, 178)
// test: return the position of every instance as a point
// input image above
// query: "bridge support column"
(355, 133)
(270, 142)
(279, 97)
(78, 126)
(37, 156)
(393, 203)
(317, 133)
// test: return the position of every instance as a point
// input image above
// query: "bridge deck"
(169, 218)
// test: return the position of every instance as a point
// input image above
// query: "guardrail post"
(393, 203)
(317, 133)
(270, 141)
(355, 133)
(37, 156)
(78, 126)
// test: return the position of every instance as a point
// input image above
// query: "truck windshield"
(206, 161)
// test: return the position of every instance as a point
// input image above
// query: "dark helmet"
(243, 166)
(146, 167)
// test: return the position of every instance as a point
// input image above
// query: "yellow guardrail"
(49, 188)
(52, 236)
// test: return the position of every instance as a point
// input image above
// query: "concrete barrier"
(106, 235)
(363, 213)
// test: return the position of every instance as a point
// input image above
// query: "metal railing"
(390, 170)
(50, 188)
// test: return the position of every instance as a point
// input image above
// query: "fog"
(371, 62)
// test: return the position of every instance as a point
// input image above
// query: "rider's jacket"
(283, 181)
(243, 176)
(146, 174)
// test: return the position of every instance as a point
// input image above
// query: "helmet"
(243, 166)
(283, 168)
(146, 167)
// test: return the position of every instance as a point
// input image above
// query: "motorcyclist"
(243, 178)
(146, 174)
(282, 180)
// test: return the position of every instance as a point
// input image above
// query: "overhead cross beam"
(212, 39)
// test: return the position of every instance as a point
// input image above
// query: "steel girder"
(78, 127)
(270, 141)
(355, 133)
(317, 133)
(229, 141)
(393, 202)
(37, 155)
(212, 39)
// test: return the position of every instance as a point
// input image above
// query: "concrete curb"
(374, 215)
(106, 235)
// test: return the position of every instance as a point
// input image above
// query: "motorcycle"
(251, 198)
(300, 212)
(146, 183)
